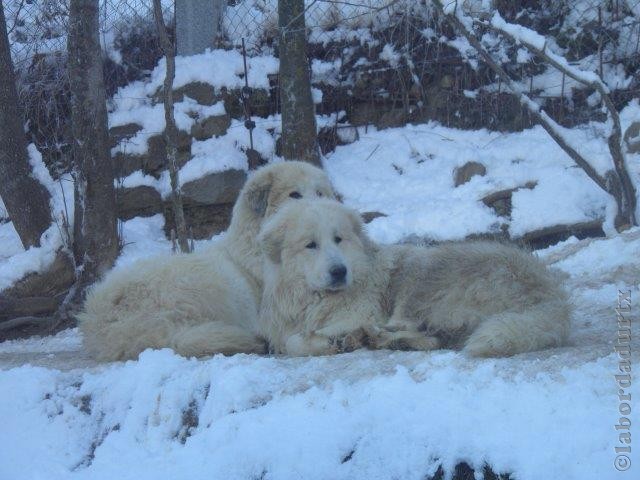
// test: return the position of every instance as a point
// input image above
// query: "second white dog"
(199, 303)
(329, 288)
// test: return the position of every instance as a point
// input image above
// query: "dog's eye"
(295, 195)
(312, 245)
(337, 239)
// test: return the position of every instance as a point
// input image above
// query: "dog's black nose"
(338, 273)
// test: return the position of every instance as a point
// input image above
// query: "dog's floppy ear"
(271, 238)
(356, 222)
(257, 192)
(358, 227)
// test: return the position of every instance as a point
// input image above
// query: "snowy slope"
(369, 415)
(407, 174)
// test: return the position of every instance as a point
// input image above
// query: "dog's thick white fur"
(328, 287)
(201, 303)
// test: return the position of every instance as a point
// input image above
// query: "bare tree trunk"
(616, 182)
(95, 228)
(26, 200)
(299, 131)
(171, 131)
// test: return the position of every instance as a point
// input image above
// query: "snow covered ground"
(363, 415)
(369, 415)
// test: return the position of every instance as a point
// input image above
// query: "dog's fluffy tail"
(541, 326)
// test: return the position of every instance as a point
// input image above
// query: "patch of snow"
(10, 242)
(547, 204)
(465, 49)
(407, 174)
(316, 95)
(61, 192)
(34, 259)
(209, 156)
(66, 340)
(357, 416)
(219, 68)
(389, 55)
(136, 179)
(143, 237)
(15, 262)
(602, 255)
(523, 56)
(3, 210)
(151, 119)
(325, 72)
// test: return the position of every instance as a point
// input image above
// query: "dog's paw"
(354, 340)
(426, 343)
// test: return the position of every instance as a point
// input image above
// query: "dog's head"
(320, 244)
(273, 185)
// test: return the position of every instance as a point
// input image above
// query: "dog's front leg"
(399, 333)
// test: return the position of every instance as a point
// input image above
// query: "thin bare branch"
(618, 185)
(547, 123)
(171, 130)
(19, 322)
(593, 80)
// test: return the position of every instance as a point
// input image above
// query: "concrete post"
(197, 25)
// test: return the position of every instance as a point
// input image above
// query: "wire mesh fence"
(380, 62)
(39, 27)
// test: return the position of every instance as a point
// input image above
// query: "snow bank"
(363, 415)
(67, 340)
(373, 416)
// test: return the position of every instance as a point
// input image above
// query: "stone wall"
(207, 200)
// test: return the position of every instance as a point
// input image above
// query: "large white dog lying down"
(200, 303)
(329, 288)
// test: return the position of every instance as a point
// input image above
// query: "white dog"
(201, 303)
(330, 288)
